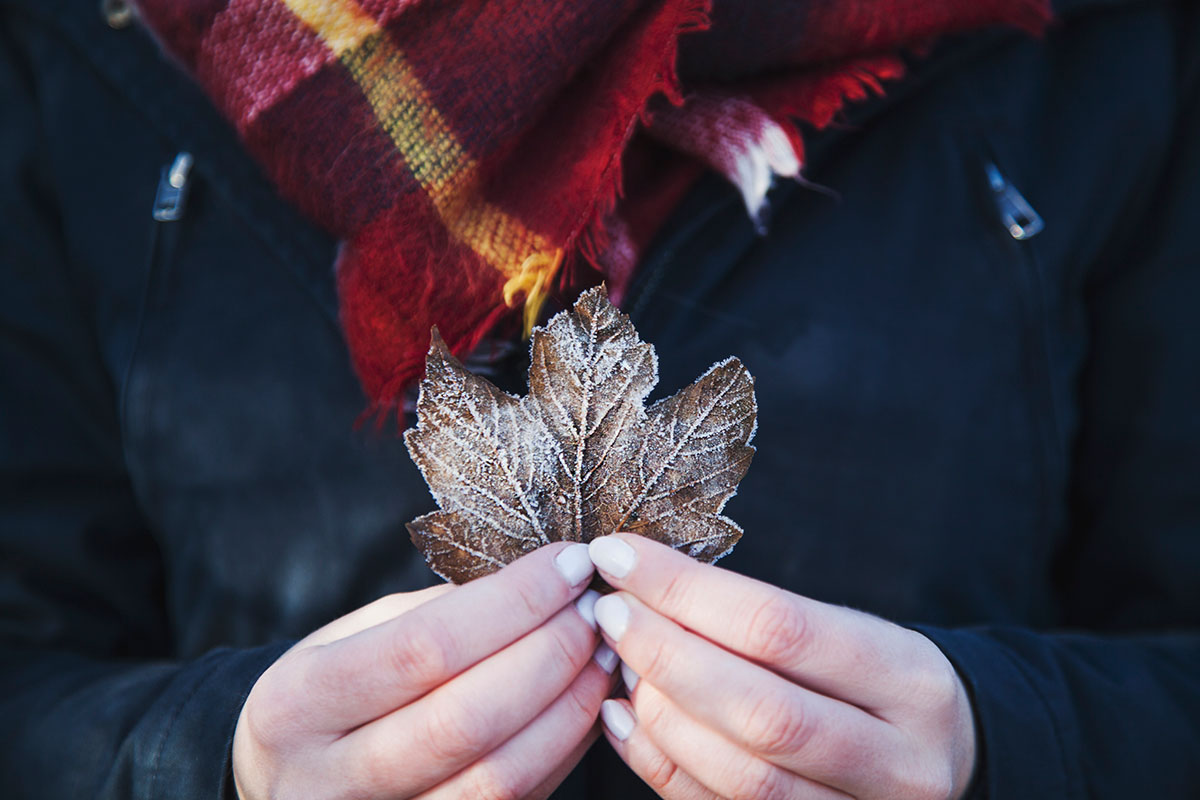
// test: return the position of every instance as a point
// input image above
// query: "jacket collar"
(131, 61)
(175, 106)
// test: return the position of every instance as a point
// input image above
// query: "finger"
(713, 760)
(835, 651)
(385, 608)
(799, 730)
(364, 676)
(548, 786)
(645, 758)
(471, 714)
(535, 761)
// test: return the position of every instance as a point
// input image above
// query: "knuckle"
(942, 682)
(530, 597)
(777, 631)
(269, 711)
(420, 655)
(376, 767)
(567, 646)
(673, 597)
(939, 785)
(929, 783)
(762, 782)
(452, 734)
(659, 661)
(256, 726)
(776, 726)
(486, 783)
(933, 685)
(652, 714)
(583, 706)
(659, 772)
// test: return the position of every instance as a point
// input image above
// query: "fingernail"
(629, 676)
(574, 564)
(586, 605)
(617, 719)
(612, 614)
(606, 657)
(612, 555)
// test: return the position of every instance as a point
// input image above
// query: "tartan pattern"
(469, 154)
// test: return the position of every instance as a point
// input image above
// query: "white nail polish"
(617, 719)
(612, 555)
(574, 564)
(612, 614)
(606, 657)
(586, 606)
(630, 677)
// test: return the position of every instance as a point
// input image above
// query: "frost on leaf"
(580, 456)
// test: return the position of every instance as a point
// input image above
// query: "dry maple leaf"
(580, 456)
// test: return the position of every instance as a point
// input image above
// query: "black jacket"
(994, 440)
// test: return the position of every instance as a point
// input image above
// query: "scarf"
(476, 157)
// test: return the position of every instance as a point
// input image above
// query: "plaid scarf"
(475, 157)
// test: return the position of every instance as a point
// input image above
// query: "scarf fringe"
(468, 199)
(595, 237)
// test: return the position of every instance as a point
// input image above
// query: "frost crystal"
(580, 456)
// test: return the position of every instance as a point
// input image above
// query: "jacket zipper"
(1019, 218)
(1022, 222)
(171, 199)
(170, 202)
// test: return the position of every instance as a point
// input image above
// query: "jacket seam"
(162, 745)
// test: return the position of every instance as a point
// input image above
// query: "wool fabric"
(471, 156)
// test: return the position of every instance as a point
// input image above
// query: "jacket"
(968, 425)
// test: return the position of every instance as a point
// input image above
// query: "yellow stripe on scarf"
(439, 163)
(341, 24)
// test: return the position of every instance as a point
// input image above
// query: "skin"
(485, 690)
(748, 691)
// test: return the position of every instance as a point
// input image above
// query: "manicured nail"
(612, 614)
(586, 605)
(606, 657)
(617, 719)
(574, 564)
(612, 555)
(630, 677)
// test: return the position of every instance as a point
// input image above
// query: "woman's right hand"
(483, 690)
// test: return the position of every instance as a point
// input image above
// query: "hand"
(748, 691)
(484, 690)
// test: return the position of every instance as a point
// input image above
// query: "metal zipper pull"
(171, 197)
(1017, 215)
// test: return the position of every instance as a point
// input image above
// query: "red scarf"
(469, 154)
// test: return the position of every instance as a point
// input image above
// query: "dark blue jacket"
(996, 440)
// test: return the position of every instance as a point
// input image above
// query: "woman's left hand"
(744, 690)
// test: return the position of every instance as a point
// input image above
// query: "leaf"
(580, 456)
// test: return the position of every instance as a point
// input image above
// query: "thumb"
(382, 610)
